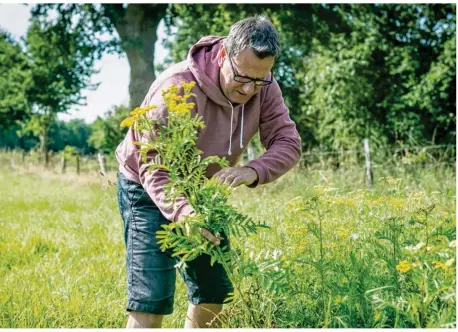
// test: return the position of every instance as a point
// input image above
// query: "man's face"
(245, 64)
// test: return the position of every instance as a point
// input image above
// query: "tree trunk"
(137, 28)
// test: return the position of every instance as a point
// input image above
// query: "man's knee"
(203, 315)
(144, 320)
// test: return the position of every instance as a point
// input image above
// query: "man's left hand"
(235, 176)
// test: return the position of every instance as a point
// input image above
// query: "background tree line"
(347, 71)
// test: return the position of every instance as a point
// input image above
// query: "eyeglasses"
(245, 79)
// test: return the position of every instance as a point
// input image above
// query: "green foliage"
(105, 133)
(128, 29)
(74, 133)
(57, 84)
(15, 79)
(61, 66)
(348, 72)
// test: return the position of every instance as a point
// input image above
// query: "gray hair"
(257, 33)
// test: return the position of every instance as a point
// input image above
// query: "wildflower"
(418, 196)
(403, 266)
(439, 265)
(396, 203)
(140, 111)
(302, 245)
(393, 181)
(452, 244)
(128, 122)
(339, 299)
(342, 233)
(319, 190)
(354, 236)
(420, 217)
(187, 86)
(181, 109)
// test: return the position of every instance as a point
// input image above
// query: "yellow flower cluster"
(403, 266)
(396, 202)
(343, 201)
(174, 102)
(136, 115)
(343, 233)
(444, 266)
(177, 103)
(439, 265)
(393, 181)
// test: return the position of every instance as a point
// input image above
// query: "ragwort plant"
(376, 258)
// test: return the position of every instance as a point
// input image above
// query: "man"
(236, 96)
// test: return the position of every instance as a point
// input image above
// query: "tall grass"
(62, 252)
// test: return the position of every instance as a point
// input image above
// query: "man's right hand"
(205, 232)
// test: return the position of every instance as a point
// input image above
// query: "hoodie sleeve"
(155, 181)
(278, 135)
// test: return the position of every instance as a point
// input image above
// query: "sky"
(114, 69)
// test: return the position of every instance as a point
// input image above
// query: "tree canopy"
(347, 71)
(15, 79)
(383, 71)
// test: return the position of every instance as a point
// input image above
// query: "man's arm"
(279, 136)
(281, 139)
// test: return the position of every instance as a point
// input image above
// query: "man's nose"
(248, 88)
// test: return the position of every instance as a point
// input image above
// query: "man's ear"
(221, 55)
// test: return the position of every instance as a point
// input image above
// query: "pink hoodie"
(228, 129)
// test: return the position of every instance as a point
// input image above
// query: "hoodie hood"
(203, 63)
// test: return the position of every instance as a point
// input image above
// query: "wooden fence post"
(101, 159)
(251, 151)
(63, 163)
(367, 153)
(77, 157)
(12, 161)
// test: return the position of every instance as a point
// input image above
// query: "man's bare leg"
(142, 319)
(200, 315)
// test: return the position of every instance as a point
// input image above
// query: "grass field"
(338, 256)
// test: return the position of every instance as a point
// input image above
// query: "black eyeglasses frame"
(244, 79)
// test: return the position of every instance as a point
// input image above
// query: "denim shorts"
(150, 271)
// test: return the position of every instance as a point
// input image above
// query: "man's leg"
(201, 315)
(144, 320)
(151, 295)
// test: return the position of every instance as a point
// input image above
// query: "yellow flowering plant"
(174, 141)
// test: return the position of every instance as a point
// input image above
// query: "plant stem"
(229, 273)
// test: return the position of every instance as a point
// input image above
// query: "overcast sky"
(114, 69)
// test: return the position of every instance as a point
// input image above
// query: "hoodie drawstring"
(241, 128)
(230, 133)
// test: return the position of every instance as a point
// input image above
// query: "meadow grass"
(62, 255)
